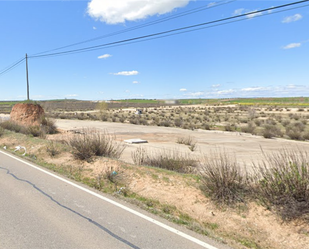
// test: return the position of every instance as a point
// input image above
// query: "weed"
(171, 160)
(282, 180)
(222, 179)
(52, 149)
(93, 143)
(185, 140)
(48, 126)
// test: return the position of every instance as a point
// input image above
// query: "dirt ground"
(246, 148)
(247, 227)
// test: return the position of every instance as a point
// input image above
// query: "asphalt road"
(39, 209)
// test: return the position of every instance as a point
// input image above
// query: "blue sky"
(264, 55)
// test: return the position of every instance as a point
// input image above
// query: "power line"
(164, 19)
(9, 68)
(186, 31)
(168, 32)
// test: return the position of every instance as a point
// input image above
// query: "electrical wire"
(186, 31)
(164, 19)
(9, 68)
(183, 30)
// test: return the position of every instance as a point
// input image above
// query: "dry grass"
(170, 160)
(282, 181)
(222, 178)
(90, 143)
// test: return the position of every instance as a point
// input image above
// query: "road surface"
(39, 209)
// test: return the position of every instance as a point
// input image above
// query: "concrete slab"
(135, 141)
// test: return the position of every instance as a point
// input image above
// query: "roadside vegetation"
(268, 117)
(166, 159)
(279, 183)
(89, 143)
(47, 127)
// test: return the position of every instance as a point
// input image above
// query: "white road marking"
(158, 223)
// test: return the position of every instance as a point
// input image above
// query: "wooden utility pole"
(27, 77)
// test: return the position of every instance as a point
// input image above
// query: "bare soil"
(245, 147)
(248, 226)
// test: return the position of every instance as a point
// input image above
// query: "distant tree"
(102, 107)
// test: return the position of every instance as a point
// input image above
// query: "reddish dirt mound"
(27, 114)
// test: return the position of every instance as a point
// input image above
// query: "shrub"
(257, 122)
(185, 140)
(178, 122)
(1, 131)
(271, 131)
(306, 135)
(230, 127)
(222, 179)
(48, 126)
(170, 160)
(282, 181)
(11, 126)
(294, 134)
(35, 131)
(93, 143)
(52, 149)
(165, 123)
(248, 128)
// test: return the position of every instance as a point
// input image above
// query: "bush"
(12, 126)
(294, 134)
(35, 131)
(222, 178)
(93, 143)
(250, 128)
(185, 140)
(48, 126)
(170, 160)
(271, 131)
(282, 181)
(52, 149)
(178, 122)
(1, 131)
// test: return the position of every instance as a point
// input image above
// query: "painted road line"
(158, 223)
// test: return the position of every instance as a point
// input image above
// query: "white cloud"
(195, 94)
(135, 82)
(119, 11)
(238, 12)
(252, 89)
(183, 90)
(292, 45)
(226, 91)
(211, 4)
(253, 14)
(127, 73)
(104, 56)
(127, 91)
(71, 95)
(293, 18)
(241, 11)
(94, 28)
(215, 86)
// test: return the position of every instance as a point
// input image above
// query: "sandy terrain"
(245, 147)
